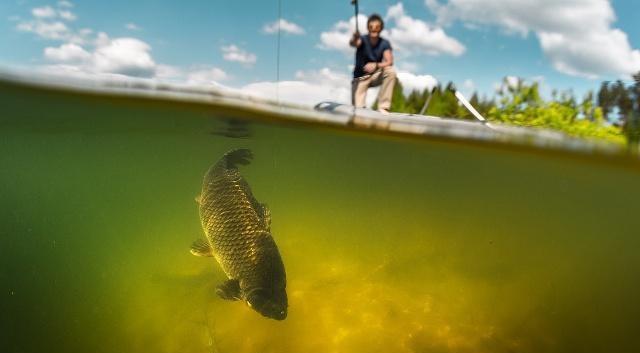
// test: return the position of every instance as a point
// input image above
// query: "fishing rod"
(355, 4)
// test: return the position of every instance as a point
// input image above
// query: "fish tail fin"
(241, 156)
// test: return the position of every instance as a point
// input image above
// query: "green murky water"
(390, 245)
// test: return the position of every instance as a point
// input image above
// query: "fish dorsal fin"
(234, 158)
(201, 247)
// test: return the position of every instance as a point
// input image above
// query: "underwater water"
(390, 244)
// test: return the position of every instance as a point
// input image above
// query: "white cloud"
(310, 88)
(170, 73)
(576, 36)
(338, 37)
(607, 53)
(235, 54)
(406, 65)
(64, 70)
(120, 56)
(44, 12)
(512, 81)
(411, 82)
(67, 53)
(468, 84)
(132, 27)
(126, 56)
(406, 34)
(67, 15)
(285, 26)
(206, 76)
(85, 32)
(296, 92)
(411, 35)
(47, 30)
(85, 54)
(324, 76)
(45, 23)
(468, 87)
(48, 13)
(197, 76)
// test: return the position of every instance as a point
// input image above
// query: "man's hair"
(376, 17)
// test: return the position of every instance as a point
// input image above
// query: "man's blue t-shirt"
(367, 53)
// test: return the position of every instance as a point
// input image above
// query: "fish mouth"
(281, 315)
(267, 306)
(270, 310)
(276, 315)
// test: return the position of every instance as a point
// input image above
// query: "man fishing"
(373, 66)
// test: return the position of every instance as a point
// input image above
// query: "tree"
(632, 128)
(415, 101)
(623, 100)
(587, 110)
(636, 92)
(398, 103)
(605, 99)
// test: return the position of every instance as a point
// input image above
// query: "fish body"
(238, 235)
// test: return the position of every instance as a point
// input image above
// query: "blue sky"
(563, 44)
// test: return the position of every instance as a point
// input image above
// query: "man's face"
(374, 28)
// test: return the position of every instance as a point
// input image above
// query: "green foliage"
(632, 128)
(398, 101)
(520, 103)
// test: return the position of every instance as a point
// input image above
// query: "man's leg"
(359, 87)
(386, 90)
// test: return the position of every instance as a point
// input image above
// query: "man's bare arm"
(387, 59)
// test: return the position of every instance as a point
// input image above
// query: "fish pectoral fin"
(201, 247)
(265, 215)
(198, 199)
(229, 290)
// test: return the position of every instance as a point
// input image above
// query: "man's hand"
(355, 39)
(370, 67)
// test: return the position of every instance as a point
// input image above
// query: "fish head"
(271, 303)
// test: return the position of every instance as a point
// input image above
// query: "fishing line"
(353, 115)
(278, 53)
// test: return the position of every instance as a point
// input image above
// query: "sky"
(561, 44)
